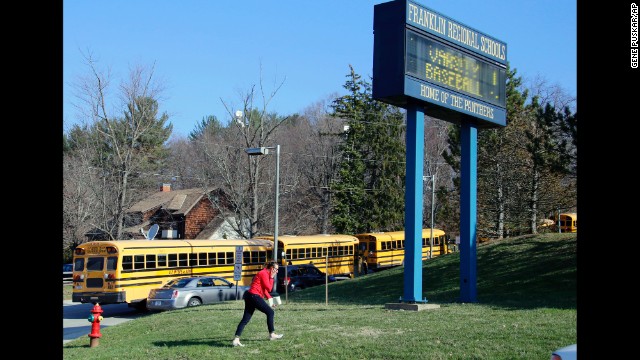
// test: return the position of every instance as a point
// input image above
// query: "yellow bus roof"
(178, 243)
(313, 239)
(399, 235)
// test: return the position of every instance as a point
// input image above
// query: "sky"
(209, 51)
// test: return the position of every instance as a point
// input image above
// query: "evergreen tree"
(369, 188)
(496, 163)
(208, 126)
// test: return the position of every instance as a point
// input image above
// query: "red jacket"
(262, 283)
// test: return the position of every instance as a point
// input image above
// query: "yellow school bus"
(386, 249)
(123, 271)
(335, 252)
(568, 222)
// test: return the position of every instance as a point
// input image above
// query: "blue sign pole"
(468, 211)
(413, 206)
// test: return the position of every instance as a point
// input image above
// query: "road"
(74, 318)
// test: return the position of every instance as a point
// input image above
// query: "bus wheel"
(194, 301)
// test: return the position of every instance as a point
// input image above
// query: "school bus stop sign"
(237, 267)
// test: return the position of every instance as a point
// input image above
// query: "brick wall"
(198, 218)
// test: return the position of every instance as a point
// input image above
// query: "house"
(181, 214)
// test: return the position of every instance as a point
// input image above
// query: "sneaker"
(274, 336)
(236, 342)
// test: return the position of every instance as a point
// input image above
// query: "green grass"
(66, 291)
(526, 291)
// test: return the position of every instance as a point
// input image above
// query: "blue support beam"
(468, 212)
(413, 206)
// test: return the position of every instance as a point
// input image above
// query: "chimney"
(166, 187)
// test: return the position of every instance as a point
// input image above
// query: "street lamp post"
(264, 151)
(433, 186)
(433, 193)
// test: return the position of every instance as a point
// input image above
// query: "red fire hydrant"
(94, 319)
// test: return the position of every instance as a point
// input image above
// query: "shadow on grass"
(220, 342)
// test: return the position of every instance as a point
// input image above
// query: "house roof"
(178, 202)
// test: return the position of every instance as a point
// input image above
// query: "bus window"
(127, 262)
(78, 265)
(202, 259)
(138, 261)
(182, 260)
(212, 258)
(262, 257)
(95, 263)
(112, 263)
(151, 261)
(193, 259)
(173, 260)
(230, 257)
(162, 260)
(372, 246)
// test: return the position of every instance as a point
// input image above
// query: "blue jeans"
(251, 303)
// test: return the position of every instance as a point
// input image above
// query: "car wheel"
(194, 301)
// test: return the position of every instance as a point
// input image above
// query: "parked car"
(300, 277)
(193, 291)
(67, 271)
(566, 353)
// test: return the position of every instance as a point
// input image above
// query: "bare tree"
(318, 164)
(78, 202)
(435, 144)
(247, 181)
(126, 137)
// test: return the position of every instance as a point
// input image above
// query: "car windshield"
(177, 283)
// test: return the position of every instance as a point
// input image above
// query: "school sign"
(423, 57)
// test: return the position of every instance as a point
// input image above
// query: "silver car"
(193, 291)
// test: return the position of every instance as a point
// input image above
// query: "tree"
(368, 192)
(209, 126)
(123, 148)
(221, 161)
(496, 164)
(319, 165)
(79, 205)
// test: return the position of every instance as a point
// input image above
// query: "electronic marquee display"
(433, 62)
(422, 57)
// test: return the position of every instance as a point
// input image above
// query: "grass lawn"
(526, 308)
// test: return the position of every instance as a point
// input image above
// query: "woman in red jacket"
(260, 289)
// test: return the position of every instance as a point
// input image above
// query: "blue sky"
(208, 50)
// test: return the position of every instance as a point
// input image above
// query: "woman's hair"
(270, 264)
